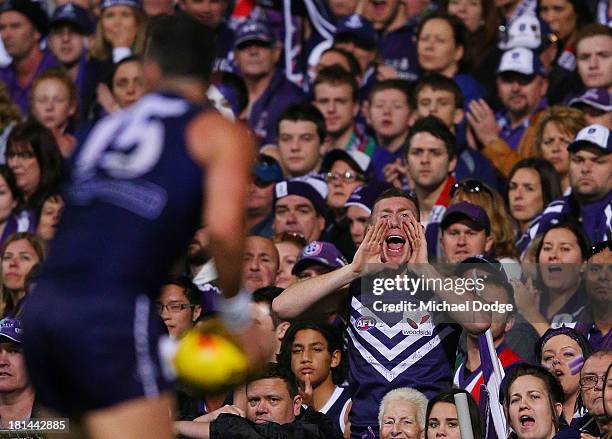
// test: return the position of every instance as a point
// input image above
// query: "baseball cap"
(319, 253)
(528, 31)
(484, 263)
(268, 170)
(595, 135)
(73, 14)
(11, 329)
(356, 159)
(365, 196)
(32, 10)
(463, 209)
(311, 188)
(131, 3)
(358, 27)
(599, 98)
(254, 30)
(521, 60)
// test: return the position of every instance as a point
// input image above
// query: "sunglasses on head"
(600, 247)
(470, 186)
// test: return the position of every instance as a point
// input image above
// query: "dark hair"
(350, 58)
(116, 67)
(337, 75)
(435, 127)
(182, 46)
(53, 196)
(191, 291)
(584, 344)
(549, 179)
(392, 84)
(553, 387)
(437, 81)
(506, 286)
(449, 397)
(331, 335)
(583, 15)
(9, 178)
(592, 30)
(570, 224)
(236, 83)
(457, 28)
(267, 295)
(274, 370)
(395, 192)
(32, 134)
(303, 112)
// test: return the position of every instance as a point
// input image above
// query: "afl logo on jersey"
(365, 323)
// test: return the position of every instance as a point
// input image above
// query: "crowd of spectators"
(484, 122)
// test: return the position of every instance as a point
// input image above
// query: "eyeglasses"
(471, 186)
(589, 381)
(346, 177)
(173, 308)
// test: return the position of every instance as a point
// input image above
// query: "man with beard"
(596, 321)
(590, 201)
(406, 347)
(522, 87)
(431, 158)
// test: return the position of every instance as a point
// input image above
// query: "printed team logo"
(416, 323)
(313, 249)
(365, 323)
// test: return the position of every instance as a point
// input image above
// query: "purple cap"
(365, 196)
(75, 15)
(358, 27)
(11, 329)
(595, 135)
(254, 30)
(463, 209)
(599, 98)
(311, 188)
(319, 253)
(521, 60)
(268, 170)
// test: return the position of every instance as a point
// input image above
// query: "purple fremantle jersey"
(133, 202)
(406, 349)
(398, 50)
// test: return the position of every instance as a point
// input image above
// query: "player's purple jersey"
(133, 202)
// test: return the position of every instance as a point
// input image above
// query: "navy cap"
(521, 60)
(131, 3)
(358, 160)
(313, 189)
(75, 15)
(319, 253)
(11, 329)
(268, 170)
(358, 27)
(365, 196)
(32, 10)
(599, 98)
(463, 209)
(595, 135)
(254, 30)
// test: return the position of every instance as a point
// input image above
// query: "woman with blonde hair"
(556, 128)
